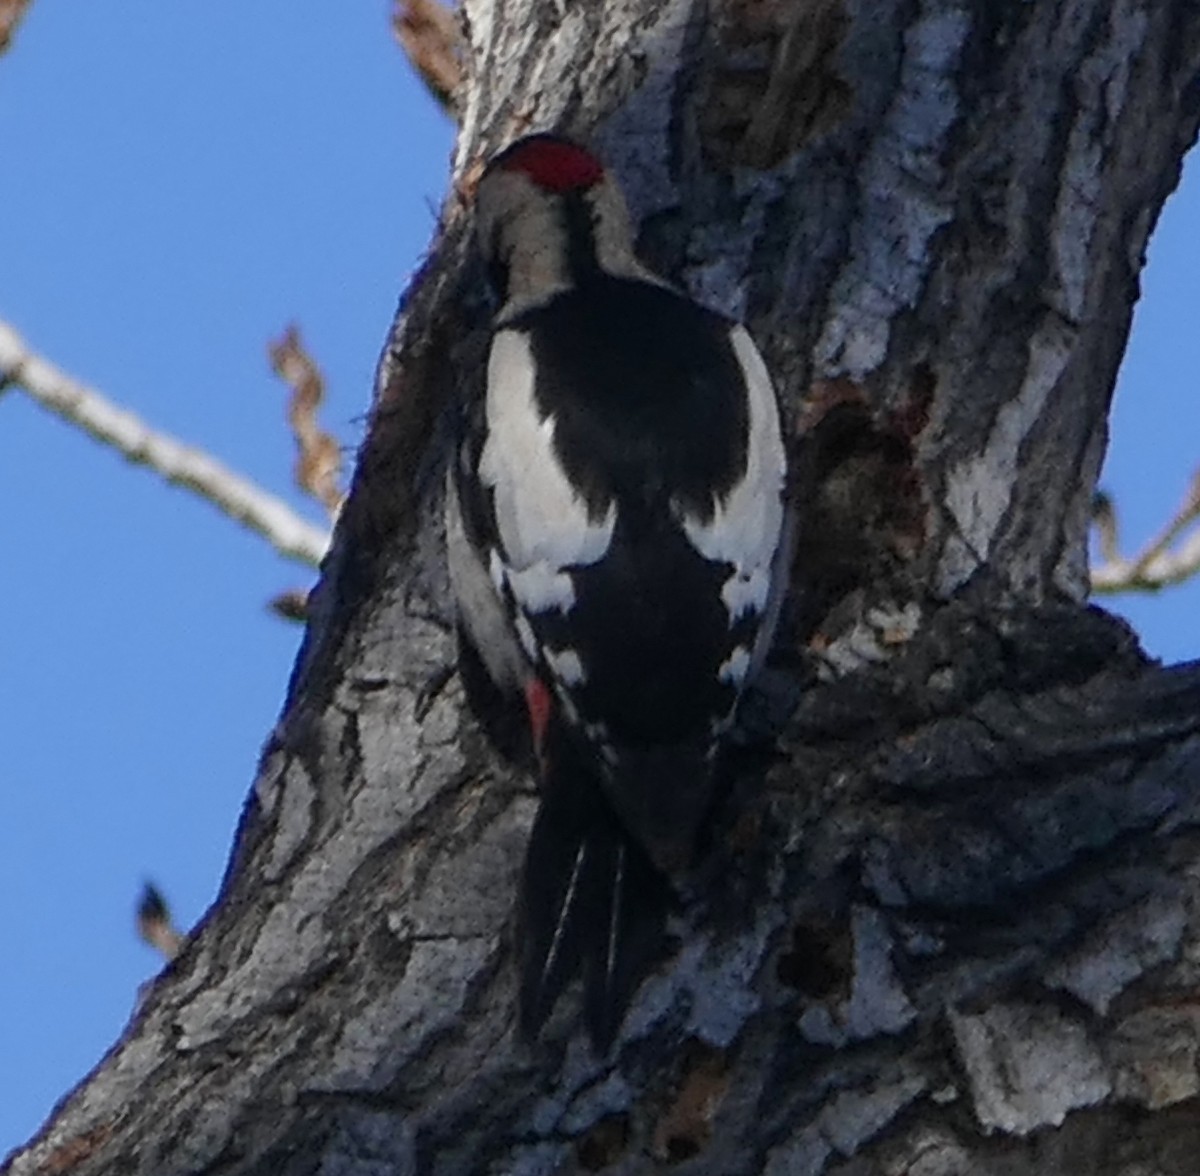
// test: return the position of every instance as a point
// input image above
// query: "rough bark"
(950, 918)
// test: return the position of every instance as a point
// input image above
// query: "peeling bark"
(950, 918)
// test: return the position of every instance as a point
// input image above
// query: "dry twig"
(319, 460)
(154, 925)
(291, 605)
(11, 12)
(429, 33)
(180, 464)
(1171, 557)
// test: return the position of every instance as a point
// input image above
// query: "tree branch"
(182, 465)
(1156, 565)
(429, 34)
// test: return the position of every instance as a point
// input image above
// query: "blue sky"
(180, 182)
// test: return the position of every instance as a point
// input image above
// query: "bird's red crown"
(554, 164)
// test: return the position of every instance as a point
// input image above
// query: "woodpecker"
(616, 542)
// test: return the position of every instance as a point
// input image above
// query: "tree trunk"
(950, 918)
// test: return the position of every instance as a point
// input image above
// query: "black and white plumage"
(615, 529)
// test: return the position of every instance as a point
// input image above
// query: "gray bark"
(950, 920)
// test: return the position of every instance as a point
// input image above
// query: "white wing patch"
(747, 522)
(540, 588)
(525, 636)
(746, 592)
(565, 665)
(543, 523)
(733, 668)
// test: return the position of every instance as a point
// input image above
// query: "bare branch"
(429, 33)
(319, 461)
(1160, 563)
(291, 605)
(11, 12)
(237, 497)
(154, 925)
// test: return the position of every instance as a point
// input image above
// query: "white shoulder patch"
(747, 523)
(543, 523)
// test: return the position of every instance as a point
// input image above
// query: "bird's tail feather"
(592, 905)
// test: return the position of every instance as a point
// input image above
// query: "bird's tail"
(593, 905)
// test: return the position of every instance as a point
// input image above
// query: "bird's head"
(548, 215)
